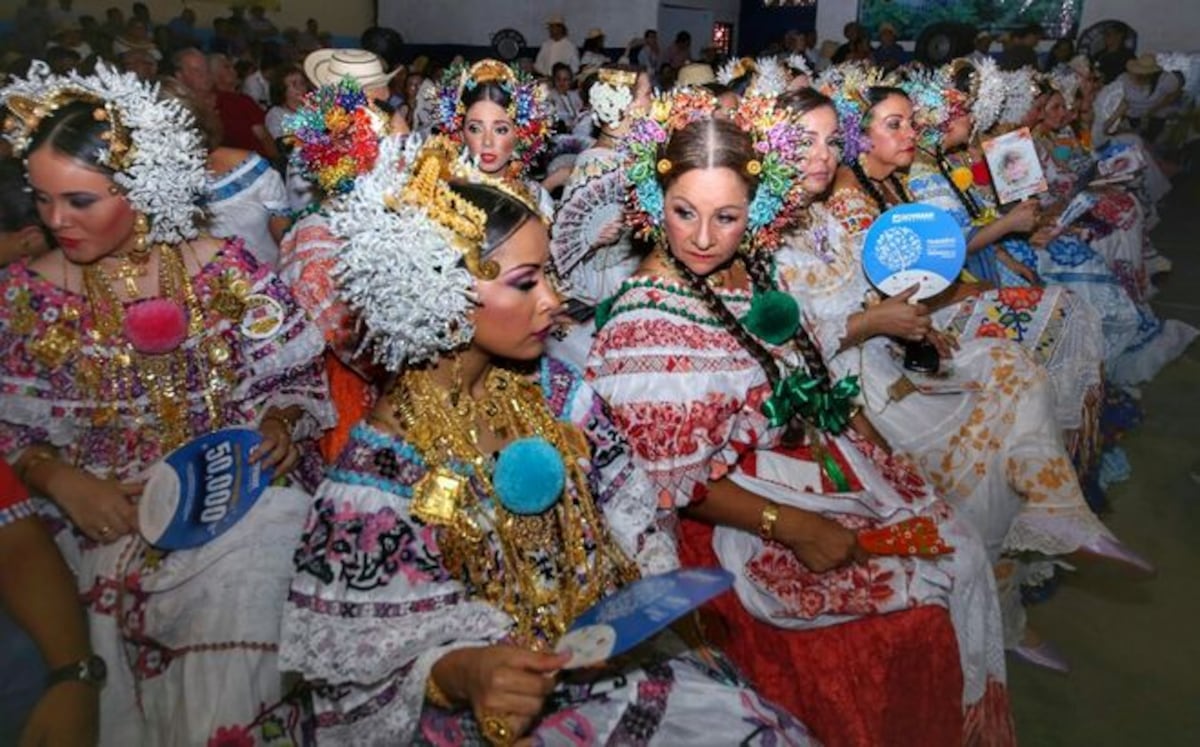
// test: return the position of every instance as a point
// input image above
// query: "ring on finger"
(104, 530)
(496, 730)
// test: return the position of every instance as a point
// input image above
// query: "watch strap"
(91, 669)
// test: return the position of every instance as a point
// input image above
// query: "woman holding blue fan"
(989, 440)
(485, 504)
(133, 337)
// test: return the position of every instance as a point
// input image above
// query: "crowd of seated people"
(513, 336)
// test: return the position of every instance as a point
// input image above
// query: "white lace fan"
(580, 219)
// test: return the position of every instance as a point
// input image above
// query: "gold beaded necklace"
(114, 366)
(552, 546)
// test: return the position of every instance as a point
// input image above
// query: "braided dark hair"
(728, 319)
(868, 185)
(966, 198)
(759, 268)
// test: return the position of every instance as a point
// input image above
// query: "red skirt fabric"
(353, 399)
(892, 679)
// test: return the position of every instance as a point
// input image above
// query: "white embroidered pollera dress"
(688, 398)
(1061, 331)
(990, 444)
(373, 607)
(1116, 228)
(189, 636)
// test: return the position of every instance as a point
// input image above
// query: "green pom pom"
(774, 316)
(604, 312)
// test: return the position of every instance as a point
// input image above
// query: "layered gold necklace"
(549, 567)
(115, 367)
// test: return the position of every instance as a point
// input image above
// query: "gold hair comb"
(626, 78)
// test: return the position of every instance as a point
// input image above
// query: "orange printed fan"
(913, 537)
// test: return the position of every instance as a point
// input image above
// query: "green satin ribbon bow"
(801, 394)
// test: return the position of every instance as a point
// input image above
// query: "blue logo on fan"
(200, 490)
(914, 245)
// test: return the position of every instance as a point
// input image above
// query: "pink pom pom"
(156, 326)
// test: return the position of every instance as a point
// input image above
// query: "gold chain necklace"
(550, 567)
(115, 366)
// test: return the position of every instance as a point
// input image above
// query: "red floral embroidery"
(861, 589)
(666, 430)
(231, 736)
(1020, 299)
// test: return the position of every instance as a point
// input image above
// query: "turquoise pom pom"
(774, 316)
(529, 476)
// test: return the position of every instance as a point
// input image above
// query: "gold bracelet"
(281, 416)
(766, 521)
(436, 696)
(31, 458)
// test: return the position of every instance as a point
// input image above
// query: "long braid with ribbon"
(968, 201)
(873, 192)
(729, 320)
(758, 268)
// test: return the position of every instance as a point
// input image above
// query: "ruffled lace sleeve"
(620, 488)
(371, 606)
(307, 258)
(820, 266)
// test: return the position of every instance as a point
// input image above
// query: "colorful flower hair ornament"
(612, 95)
(778, 146)
(528, 107)
(935, 105)
(336, 132)
(154, 148)
(1020, 94)
(847, 86)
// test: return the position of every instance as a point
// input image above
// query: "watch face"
(93, 669)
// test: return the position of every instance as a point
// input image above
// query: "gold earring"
(140, 252)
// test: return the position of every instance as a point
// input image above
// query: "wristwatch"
(92, 670)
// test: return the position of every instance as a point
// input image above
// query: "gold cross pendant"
(130, 272)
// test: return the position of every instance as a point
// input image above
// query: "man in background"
(558, 49)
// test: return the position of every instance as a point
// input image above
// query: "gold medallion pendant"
(438, 495)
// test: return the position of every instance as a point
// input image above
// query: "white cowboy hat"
(1145, 64)
(695, 74)
(326, 67)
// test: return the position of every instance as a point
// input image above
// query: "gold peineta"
(619, 78)
(26, 115)
(486, 71)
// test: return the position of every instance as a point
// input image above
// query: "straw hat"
(555, 19)
(1145, 64)
(595, 34)
(695, 74)
(326, 67)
